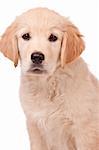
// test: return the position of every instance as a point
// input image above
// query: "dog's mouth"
(37, 70)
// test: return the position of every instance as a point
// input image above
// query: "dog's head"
(42, 40)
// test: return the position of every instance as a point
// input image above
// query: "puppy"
(59, 95)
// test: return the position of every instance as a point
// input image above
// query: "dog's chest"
(44, 105)
(55, 111)
(52, 123)
(41, 101)
(40, 97)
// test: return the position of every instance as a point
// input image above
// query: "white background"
(13, 133)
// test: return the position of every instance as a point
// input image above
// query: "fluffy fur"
(61, 104)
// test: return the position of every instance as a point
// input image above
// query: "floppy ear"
(72, 44)
(8, 44)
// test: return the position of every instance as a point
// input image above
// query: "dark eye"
(26, 36)
(52, 38)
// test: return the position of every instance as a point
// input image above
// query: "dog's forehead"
(41, 17)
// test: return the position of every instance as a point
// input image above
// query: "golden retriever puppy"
(59, 95)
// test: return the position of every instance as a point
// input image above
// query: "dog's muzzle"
(37, 59)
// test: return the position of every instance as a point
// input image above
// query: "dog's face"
(42, 39)
(39, 49)
(39, 43)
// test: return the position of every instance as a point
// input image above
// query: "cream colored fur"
(61, 105)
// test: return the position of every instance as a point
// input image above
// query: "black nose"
(37, 57)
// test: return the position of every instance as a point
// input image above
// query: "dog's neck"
(44, 85)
